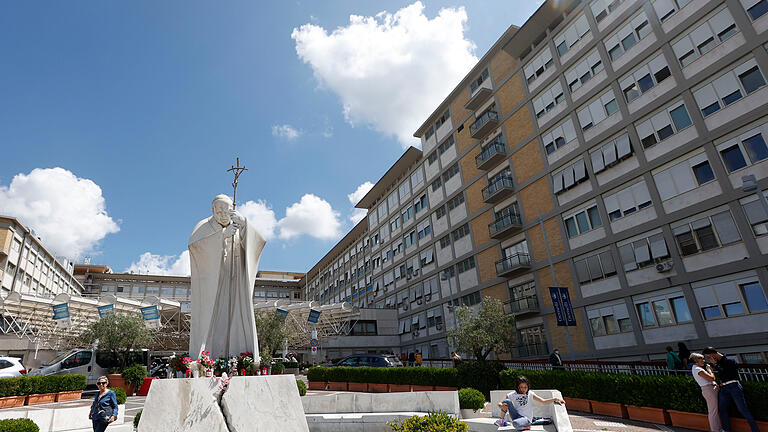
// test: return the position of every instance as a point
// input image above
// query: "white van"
(84, 362)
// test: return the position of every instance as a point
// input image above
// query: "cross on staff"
(236, 170)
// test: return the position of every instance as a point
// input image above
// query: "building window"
(583, 71)
(445, 241)
(732, 298)
(432, 157)
(424, 232)
(410, 238)
(594, 267)
(683, 176)
(667, 8)
(456, 201)
(460, 232)
(440, 212)
(609, 319)
(729, 88)
(706, 233)
(663, 124)
(603, 8)
(644, 78)
(597, 110)
(582, 221)
(407, 214)
(538, 65)
(569, 177)
(663, 311)
(755, 8)
(756, 215)
(641, 253)
(627, 36)
(420, 204)
(477, 82)
(611, 153)
(548, 99)
(436, 184)
(465, 265)
(571, 34)
(627, 201)
(450, 172)
(715, 30)
(559, 136)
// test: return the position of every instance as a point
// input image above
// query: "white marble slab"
(183, 405)
(264, 404)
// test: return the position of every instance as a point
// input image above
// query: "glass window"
(752, 79)
(753, 294)
(703, 172)
(756, 148)
(611, 107)
(735, 308)
(616, 52)
(733, 158)
(759, 9)
(646, 83)
(611, 326)
(570, 226)
(731, 98)
(646, 315)
(710, 109)
(663, 312)
(581, 219)
(598, 327)
(594, 217)
(629, 41)
(680, 117)
(687, 243)
(680, 308)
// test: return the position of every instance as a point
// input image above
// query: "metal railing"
(494, 148)
(482, 120)
(496, 185)
(504, 222)
(513, 262)
(524, 304)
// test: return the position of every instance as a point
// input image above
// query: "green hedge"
(434, 421)
(379, 375)
(302, 387)
(27, 385)
(678, 392)
(289, 365)
(119, 395)
(470, 398)
(481, 375)
(18, 425)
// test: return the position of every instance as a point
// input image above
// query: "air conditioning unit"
(416, 272)
(439, 326)
(405, 306)
(419, 301)
(415, 333)
(664, 267)
(428, 297)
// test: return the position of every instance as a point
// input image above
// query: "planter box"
(741, 425)
(333, 385)
(357, 387)
(609, 408)
(470, 413)
(578, 404)
(318, 385)
(12, 401)
(116, 380)
(440, 388)
(377, 388)
(144, 389)
(393, 388)
(653, 415)
(420, 388)
(43, 398)
(68, 395)
(689, 420)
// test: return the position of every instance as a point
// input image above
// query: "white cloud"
(261, 215)
(68, 212)
(312, 216)
(391, 70)
(168, 265)
(355, 197)
(285, 131)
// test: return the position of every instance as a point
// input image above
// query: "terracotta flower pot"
(421, 388)
(377, 388)
(741, 425)
(116, 380)
(394, 388)
(43, 398)
(68, 395)
(12, 401)
(578, 404)
(333, 385)
(653, 415)
(441, 388)
(357, 387)
(318, 385)
(609, 408)
(689, 420)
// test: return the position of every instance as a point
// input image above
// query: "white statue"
(222, 319)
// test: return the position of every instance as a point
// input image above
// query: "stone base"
(252, 403)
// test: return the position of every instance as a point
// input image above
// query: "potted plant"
(377, 380)
(471, 401)
(609, 408)
(70, 387)
(39, 389)
(578, 404)
(10, 393)
(689, 420)
(133, 377)
(316, 376)
(338, 378)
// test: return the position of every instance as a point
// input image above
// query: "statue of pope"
(223, 278)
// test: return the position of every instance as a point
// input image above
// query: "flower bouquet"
(220, 366)
(206, 363)
(245, 362)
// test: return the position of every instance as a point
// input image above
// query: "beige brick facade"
(496, 291)
(458, 112)
(545, 280)
(527, 161)
(469, 166)
(502, 64)
(480, 228)
(463, 139)
(518, 127)
(559, 340)
(486, 264)
(536, 196)
(510, 94)
(537, 245)
(474, 196)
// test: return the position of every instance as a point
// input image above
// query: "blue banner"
(61, 311)
(281, 312)
(555, 293)
(314, 315)
(570, 317)
(151, 316)
(106, 309)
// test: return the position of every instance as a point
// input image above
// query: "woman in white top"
(517, 408)
(704, 377)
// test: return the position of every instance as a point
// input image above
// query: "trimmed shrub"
(10, 387)
(435, 421)
(302, 387)
(137, 418)
(424, 376)
(72, 382)
(27, 385)
(447, 377)
(120, 395)
(135, 375)
(317, 374)
(18, 425)
(289, 365)
(481, 375)
(278, 368)
(470, 398)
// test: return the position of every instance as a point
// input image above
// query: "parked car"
(11, 367)
(84, 362)
(370, 360)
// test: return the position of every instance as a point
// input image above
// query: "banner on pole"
(570, 317)
(314, 316)
(281, 313)
(557, 305)
(151, 316)
(106, 309)
(61, 315)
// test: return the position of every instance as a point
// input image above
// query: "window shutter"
(726, 228)
(623, 147)
(658, 246)
(597, 161)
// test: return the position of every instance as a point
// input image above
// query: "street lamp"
(749, 184)
(446, 276)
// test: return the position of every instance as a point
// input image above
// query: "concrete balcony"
(512, 264)
(524, 305)
(491, 155)
(487, 122)
(479, 96)
(505, 225)
(499, 189)
(533, 350)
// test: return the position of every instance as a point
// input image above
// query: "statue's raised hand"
(237, 218)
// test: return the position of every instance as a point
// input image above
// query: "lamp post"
(446, 277)
(749, 184)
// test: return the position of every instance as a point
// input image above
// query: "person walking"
(673, 361)
(104, 407)
(730, 389)
(418, 358)
(555, 360)
(456, 358)
(705, 378)
(411, 358)
(684, 353)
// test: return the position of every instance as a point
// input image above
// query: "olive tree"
(487, 330)
(272, 330)
(119, 334)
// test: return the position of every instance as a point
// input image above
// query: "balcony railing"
(505, 225)
(533, 350)
(499, 189)
(491, 155)
(479, 95)
(524, 305)
(484, 124)
(512, 264)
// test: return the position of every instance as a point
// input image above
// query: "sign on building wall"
(106, 309)
(61, 315)
(151, 316)
(561, 302)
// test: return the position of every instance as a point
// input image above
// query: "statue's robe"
(222, 320)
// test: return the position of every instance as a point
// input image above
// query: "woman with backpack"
(673, 360)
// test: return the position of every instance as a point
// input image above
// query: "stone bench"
(558, 413)
(343, 412)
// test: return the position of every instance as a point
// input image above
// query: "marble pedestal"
(256, 403)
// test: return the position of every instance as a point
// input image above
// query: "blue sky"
(150, 102)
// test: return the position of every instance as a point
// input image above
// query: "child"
(517, 408)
